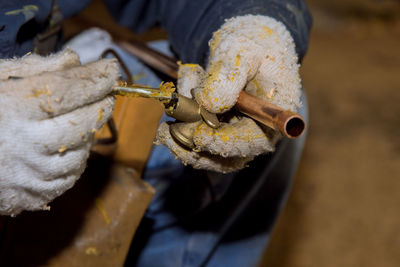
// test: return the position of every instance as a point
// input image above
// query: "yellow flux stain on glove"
(214, 42)
(225, 134)
(259, 88)
(265, 32)
(213, 76)
(101, 115)
(224, 137)
(237, 60)
(189, 65)
(237, 63)
(38, 92)
(62, 149)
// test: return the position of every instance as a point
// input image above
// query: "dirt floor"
(344, 207)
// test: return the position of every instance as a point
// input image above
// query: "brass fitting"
(185, 109)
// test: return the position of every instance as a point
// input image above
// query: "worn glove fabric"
(50, 108)
(254, 53)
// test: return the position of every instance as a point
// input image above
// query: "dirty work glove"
(252, 53)
(50, 108)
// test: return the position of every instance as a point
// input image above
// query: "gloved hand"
(252, 53)
(50, 108)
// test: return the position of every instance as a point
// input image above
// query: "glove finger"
(52, 176)
(189, 77)
(202, 160)
(54, 93)
(280, 85)
(243, 138)
(73, 129)
(228, 72)
(35, 64)
(29, 194)
(50, 168)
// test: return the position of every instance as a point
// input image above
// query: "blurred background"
(344, 209)
(345, 202)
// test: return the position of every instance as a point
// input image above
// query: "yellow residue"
(216, 99)
(129, 94)
(202, 128)
(167, 88)
(265, 32)
(259, 89)
(100, 206)
(122, 83)
(237, 60)
(213, 75)
(233, 76)
(37, 93)
(268, 30)
(62, 149)
(224, 133)
(225, 138)
(223, 108)
(190, 65)
(270, 58)
(215, 41)
(91, 251)
(26, 10)
(101, 115)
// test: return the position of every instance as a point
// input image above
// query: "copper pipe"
(153, 58)
(290, 124)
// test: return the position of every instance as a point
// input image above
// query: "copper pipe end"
(290, 124)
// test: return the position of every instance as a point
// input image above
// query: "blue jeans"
(201, 218)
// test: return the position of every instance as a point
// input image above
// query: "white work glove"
(252, 53)
(50, 108)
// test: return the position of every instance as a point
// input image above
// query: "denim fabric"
(19, 22)
(22, 20)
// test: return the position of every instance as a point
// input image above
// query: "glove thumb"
(189, 77)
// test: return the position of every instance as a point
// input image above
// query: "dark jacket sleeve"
(190, 23)
(21, 20)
